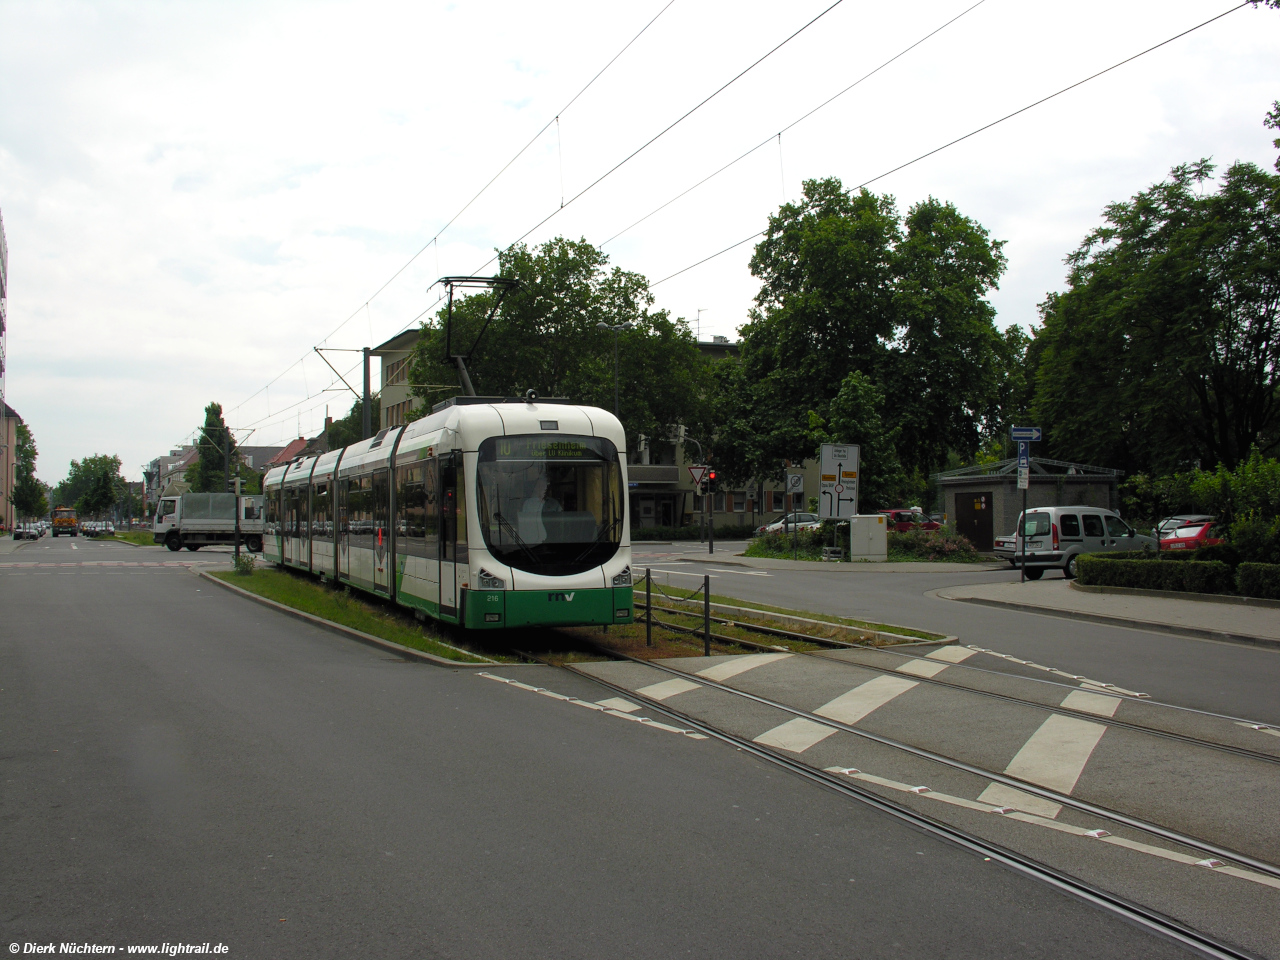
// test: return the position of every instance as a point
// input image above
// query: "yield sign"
(698, 473)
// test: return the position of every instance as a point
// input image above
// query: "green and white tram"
(488, 513)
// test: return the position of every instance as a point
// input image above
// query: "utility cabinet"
(868, 538)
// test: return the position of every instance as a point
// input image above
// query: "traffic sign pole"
(1024, 436)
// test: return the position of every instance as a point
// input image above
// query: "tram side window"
(360, 512)
(409, 511)
(269, 523)
(321, 512)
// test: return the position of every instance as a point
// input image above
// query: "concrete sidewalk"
(1205, 619)
(9, 545)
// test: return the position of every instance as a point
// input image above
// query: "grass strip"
(681, 593)
(142, 538)
(341, 606)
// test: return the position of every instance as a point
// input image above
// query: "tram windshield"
(550, 504)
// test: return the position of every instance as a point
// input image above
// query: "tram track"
(1145, 917)
(1008, 698)
(1209, 849)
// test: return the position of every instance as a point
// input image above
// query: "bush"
(1259, 580)
(943, 544)
(1257, 540)
(807, 545)
(244, 564)
(1190, 576)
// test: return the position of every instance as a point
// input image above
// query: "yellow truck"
(64, 521)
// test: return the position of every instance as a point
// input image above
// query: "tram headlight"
(623, 579)
(489, 582)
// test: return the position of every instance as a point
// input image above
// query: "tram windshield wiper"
(511, 531)
(606, 529)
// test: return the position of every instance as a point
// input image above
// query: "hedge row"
(1146, 572)
(1189, 576)
(1259, 580)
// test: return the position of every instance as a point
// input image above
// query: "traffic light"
(711, 481)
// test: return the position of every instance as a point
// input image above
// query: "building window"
(777, 501)
(719, 503)
(397, 372)
(739, 502)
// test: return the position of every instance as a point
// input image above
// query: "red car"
(902, 520)
(1199, 533)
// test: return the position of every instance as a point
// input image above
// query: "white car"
(792, 521)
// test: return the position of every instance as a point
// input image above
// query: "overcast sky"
(195, 195)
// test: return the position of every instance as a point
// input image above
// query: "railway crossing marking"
(849, 708)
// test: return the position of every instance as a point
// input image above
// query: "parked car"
(792, 521)
(909, 518)
(1166, 526)
(1057, 536)
(1194, 534)
(26, 531)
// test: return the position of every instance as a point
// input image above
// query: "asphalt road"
(1233, 679)
(178, 764)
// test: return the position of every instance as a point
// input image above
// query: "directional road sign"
(838, 486)
(699, 473)
(1024, 433)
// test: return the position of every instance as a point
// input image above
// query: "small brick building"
(984, 501)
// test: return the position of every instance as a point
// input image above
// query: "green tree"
(544, 337)
(850, 285)
(208, 474)
(350, 428)
(83, 475)
(1164, 351)
(28, 495)
(945, 366)
(857, 416)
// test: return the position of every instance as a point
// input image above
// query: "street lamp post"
(617, 328)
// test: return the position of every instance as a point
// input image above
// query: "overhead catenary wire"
(564, 203)
(667, 129)
(971, 133)
(803, 117)
(492, 180)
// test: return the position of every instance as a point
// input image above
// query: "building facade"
(984, 500)
(9, 421)
(395, 355)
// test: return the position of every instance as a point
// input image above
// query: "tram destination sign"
(550, 448)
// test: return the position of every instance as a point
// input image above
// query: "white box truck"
(194, 520)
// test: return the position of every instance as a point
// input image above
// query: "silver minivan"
(1056, 536)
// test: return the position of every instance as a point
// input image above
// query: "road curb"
(354, 634)
(1176, 595)
(1194, 633)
